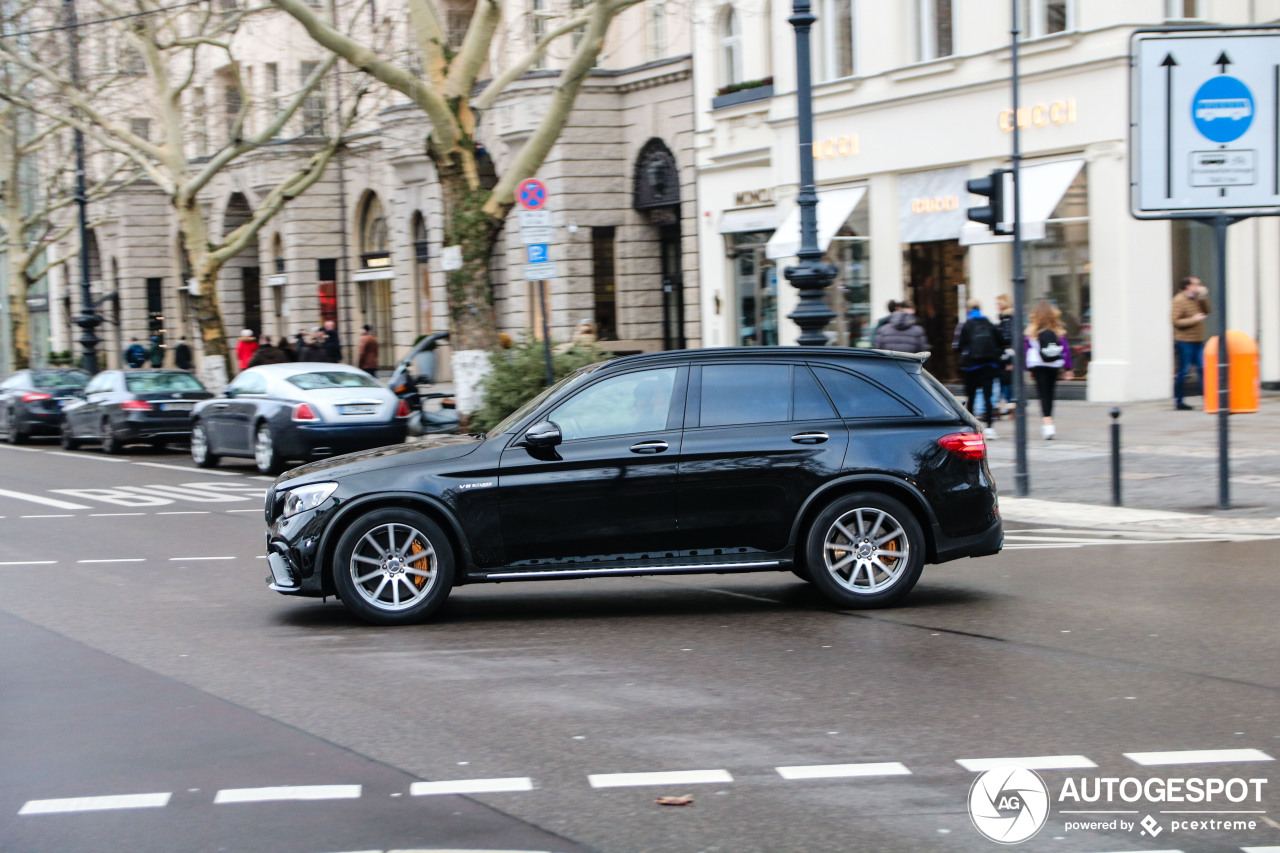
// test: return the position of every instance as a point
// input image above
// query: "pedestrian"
(903, 333)
(245, 348)
(332, 346)
(1004, 305)
(979, 343)
(267, 353)
(136, 354)
(893, 306)
(155, 353)
(367, 351)
(312, 348)
(1190, 307)
(182, 355)
(285, 347)
(1048, 356)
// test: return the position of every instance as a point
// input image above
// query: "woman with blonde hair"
(1048, 356)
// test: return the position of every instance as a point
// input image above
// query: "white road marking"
(41, 499)
(1037, 762)
(30, 563)
(243, 510)
(471, 786)
(95, 804)
(287, 792)
(670, 777)
(188, 469)
(189, 559)
(19, 449)
(113, 514)
(1261, 849)
(842, 771)
(84, 456)
(185, 512)
(1197, 756)
(67, 515)
(118, 560)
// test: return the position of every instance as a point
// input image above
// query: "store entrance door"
(937, 271)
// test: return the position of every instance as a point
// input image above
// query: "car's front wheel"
(16, 435)
(66, 437)
(265, 455)
(865, 550)
(393, 567)
(110, 444)
(200, 453)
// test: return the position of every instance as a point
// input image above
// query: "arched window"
(730, 47)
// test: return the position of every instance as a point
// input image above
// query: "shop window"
(1038, 18)
(603, 280)
(730, 47)
(1058, 269)
(850, 295)
(328, 289)
(933, 29)
(834, 36)
(755, 285)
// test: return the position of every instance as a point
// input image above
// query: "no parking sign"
(532, 194)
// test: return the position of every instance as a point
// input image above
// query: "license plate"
(358, 410)
(175, 407)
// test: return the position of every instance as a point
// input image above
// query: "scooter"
(419, 368)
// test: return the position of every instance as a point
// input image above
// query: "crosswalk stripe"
(471, 786)
(1197, 756)
(287, 792)
(95, 804)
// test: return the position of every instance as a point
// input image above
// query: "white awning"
(373, 274)
(754, 219)
(834, 207)
(1042, 187)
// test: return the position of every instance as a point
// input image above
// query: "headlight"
(307, 497)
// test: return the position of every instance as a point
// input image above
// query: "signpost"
(536, 233)
(1204, 121)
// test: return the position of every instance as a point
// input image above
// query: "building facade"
(910, 101)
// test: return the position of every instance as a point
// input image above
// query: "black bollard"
(1115, 457)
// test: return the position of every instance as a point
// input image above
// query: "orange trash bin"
(1243, 386)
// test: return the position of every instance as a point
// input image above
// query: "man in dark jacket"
(980, 345)
(902, 333)
(182, 355)
(332, 346)
(267, 353)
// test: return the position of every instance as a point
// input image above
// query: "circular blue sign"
(1222, 109)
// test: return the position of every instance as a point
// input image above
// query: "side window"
(808, 403)
(249, 383)
(858, 398)
(745, 394)
(620, 405)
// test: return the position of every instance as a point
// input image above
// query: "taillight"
(136, 406)
(303, 412)
(966, 445)
(402, 410)
(35, 397)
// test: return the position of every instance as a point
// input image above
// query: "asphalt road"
(143, 655)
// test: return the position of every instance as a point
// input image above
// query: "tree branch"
(495, 87)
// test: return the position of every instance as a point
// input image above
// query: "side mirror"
(543, 434)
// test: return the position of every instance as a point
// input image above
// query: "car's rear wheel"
(200, 453)
(865, 550)
(265, 456)
(393, 567)
(66, 437)
(110, 444)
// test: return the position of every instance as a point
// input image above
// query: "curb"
(1096, 516)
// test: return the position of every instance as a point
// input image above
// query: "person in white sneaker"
(1048, 357)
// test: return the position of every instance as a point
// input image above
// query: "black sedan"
(851, 468)
(120, 407)
(31, 401)
(303, 410)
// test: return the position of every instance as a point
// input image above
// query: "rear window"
(857, 398)
(332, 379)
(745, 393)
(150, 383)
(59, 380)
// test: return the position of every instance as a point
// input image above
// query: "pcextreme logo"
(1009, 804)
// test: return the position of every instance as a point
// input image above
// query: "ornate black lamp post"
(811, 276)
(88, 319)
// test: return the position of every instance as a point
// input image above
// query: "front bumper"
(293, 552)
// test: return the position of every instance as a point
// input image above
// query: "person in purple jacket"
(1048, 355)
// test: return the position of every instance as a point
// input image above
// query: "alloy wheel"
(393, 567)
(199, 445)
(264, 451)
(866, 550)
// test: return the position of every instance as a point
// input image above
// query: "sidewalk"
(1169, 463)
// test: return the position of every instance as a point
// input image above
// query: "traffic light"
(994, 187)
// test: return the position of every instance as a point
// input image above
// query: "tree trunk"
(19, 315)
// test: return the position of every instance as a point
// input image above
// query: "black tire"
(15, 433)
(65, 437)
(200, 453)
(885, 554)
(370, 591)
(801, 570)
(110, 443)
(266, 456)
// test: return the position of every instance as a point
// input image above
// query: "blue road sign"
(536, 253)
(1222, 109)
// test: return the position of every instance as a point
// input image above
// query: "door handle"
(649, 447)
(810, 437)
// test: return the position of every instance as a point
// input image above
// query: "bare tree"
(170, 51)
(445, 84)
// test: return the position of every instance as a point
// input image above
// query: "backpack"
(984, 342)
(1049, 345)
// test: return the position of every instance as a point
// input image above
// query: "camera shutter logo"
(1008, 804)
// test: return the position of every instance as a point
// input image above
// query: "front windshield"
(519, 414)
(59, 379)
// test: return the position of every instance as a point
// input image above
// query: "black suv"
(851, 468)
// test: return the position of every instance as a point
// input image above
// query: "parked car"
(299, 410)
(416, 369)
(852, 468)
(120, 407)
(31, 401)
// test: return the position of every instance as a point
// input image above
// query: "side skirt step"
(625, 571)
